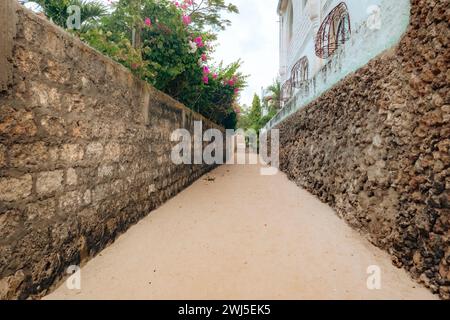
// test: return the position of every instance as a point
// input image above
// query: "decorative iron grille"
(286, 91)
(334, 31)
(300, 72)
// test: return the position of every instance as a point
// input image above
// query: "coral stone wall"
(376, 147)
(84, 153)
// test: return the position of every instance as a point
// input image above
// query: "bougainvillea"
(160, 41)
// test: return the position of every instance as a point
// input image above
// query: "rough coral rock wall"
(376, 147)
(84, 153)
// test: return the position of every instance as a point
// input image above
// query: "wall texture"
(376, 147)
(84, 153)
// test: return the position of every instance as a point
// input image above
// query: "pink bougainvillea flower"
(148, 22)
(187, 20)
(236, 91)
(231, 82)
(204, 57)
(205, 70)
(205, 79)
(199, 42)
(214, 76)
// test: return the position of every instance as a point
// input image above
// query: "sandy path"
(242, 236)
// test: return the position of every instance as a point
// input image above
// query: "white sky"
(253, 37)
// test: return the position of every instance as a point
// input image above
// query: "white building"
(311, 32)
(322, 41)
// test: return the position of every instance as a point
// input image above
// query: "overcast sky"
(253, 37)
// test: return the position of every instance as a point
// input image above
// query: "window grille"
(300, 72)
(334, 31)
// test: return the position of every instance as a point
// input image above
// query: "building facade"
(311, 32)
(322, 41)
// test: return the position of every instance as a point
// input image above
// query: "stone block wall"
(84, 153)
(376, 147)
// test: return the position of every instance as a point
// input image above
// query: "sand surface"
(241, 236)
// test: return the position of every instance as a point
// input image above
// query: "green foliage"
(164, 44)
(275, 95)
(243, 118)
(56, 10)
(255, 113)
(119, 48)
(272, 113)
(209, 13)
(171, 64)
(215, 100)
(253, 119)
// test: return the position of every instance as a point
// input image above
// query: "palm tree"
(275, 97)
(56, 10)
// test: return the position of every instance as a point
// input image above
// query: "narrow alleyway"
(237, 235)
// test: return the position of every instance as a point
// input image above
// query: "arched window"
(334, 31)
(286, 91)
(300, 72)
